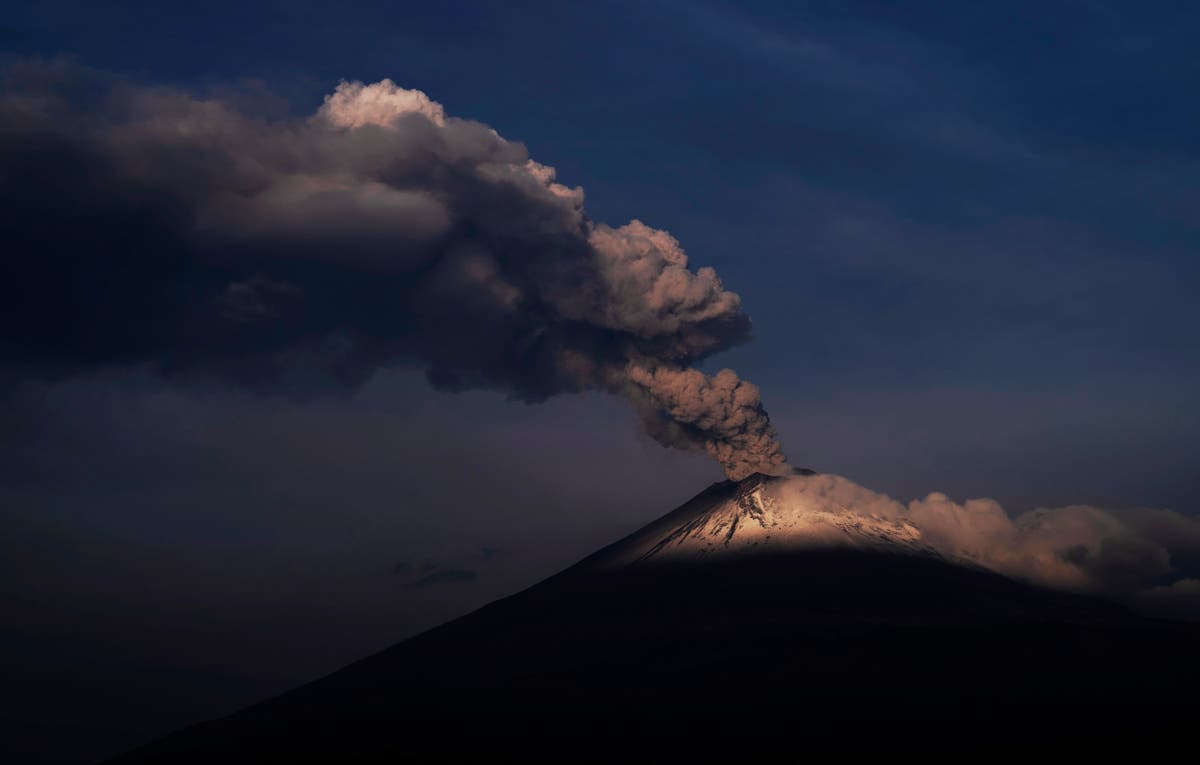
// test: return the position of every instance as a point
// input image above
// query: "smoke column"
(188, 235)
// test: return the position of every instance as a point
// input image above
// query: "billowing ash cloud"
(725, 415)
(1128, 553)
(152, 227)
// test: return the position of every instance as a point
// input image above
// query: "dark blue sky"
(965, 231)
(968, 235)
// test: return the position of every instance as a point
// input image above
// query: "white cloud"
(1077, 547)
(353, 105)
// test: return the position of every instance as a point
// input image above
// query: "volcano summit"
(760, 515)
(765, 619)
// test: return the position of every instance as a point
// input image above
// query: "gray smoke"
(150, 227)
(683, 407)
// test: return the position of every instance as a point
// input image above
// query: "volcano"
(750, 624)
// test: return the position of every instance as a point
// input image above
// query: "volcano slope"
(733, 631)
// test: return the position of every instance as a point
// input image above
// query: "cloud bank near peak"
(1130, 554)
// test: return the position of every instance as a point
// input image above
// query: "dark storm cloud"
(432, 572)
(150, 227)
(447, 576)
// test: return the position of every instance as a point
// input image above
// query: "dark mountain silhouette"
(693, 641)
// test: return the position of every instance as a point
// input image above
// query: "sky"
(966, 236)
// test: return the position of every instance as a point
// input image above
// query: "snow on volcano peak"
(764, 514)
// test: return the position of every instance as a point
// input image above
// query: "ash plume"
(724, 414)
(185, 234)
